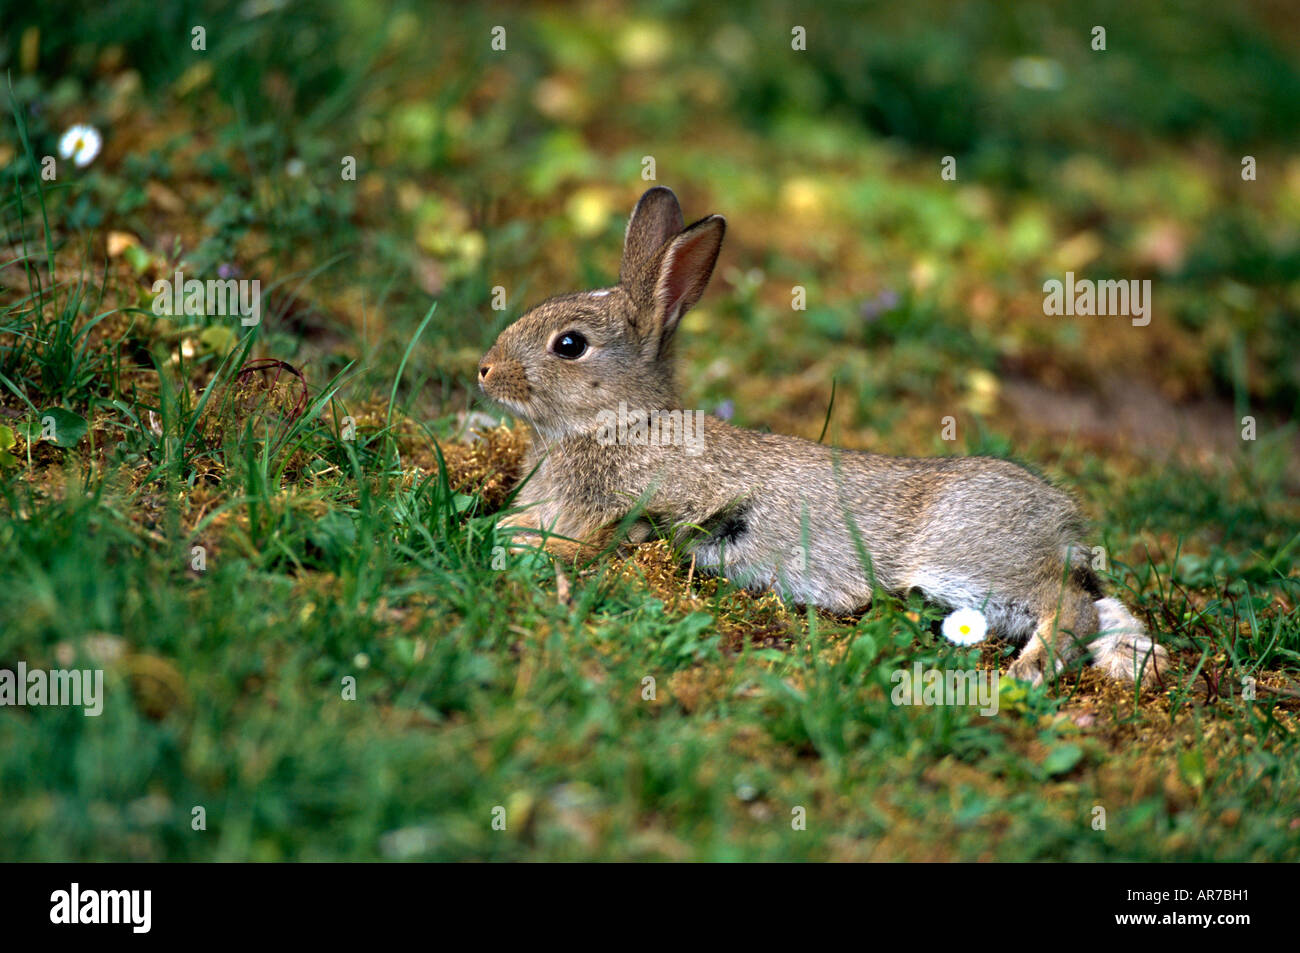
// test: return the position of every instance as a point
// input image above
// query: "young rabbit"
(592, 373)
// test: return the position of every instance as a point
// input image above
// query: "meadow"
(277, 539)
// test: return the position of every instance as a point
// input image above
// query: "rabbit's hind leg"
(1123, 649)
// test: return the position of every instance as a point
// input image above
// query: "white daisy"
(965, 627)
(80, 144)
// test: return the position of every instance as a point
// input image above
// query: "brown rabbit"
(592, 373)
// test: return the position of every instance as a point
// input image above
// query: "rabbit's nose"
(484, 369)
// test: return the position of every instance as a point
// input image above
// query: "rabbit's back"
(818, 523)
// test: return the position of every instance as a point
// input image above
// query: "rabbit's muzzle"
(503, 379)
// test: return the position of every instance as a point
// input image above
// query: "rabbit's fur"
(815, 523)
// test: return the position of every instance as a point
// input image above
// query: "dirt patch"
(1135, 417)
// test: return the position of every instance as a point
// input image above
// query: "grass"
(310, 629)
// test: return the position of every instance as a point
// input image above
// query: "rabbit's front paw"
(1029, 666)
(1033, 663)
(526, 527)
(521, 542)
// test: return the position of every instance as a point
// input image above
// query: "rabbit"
(614, 449)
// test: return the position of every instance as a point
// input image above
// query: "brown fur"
(822, 526)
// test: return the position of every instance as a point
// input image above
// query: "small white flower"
(965, 627)
(80, 144)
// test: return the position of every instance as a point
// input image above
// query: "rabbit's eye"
(570, 345)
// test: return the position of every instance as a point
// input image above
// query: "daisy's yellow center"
(965, 630)
(76, 146)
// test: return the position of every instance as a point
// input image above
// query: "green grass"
(231, 699)
(316, 635)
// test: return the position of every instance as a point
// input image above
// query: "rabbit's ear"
(656, 218)
(684, 269)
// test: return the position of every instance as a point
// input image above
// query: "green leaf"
(68, 427)
(1061, 759)
(137, 258)
(218, 338)
(7, 439)
(1191, 765)
(1013, 695)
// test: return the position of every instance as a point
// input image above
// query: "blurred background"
(479, 167)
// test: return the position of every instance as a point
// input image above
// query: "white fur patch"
(599, 294)
(1122, 647)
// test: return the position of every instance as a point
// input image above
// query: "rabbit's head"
(575, 355)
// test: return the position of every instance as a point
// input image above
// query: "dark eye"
(570, 345)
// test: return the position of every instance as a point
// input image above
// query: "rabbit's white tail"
(1122, 648)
